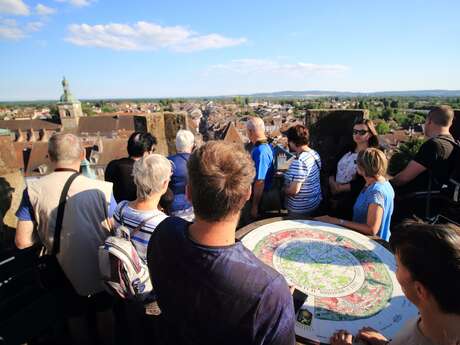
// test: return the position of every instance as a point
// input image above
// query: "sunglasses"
(359, 132)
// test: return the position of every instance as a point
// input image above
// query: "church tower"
(69, 108)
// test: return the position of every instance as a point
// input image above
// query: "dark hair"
(139, 143)
(431, 253)
(298, 134)
(442, 115)
(220, 176)
(374, 138)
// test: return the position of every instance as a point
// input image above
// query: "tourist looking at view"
(185, 143)
(119, 171)
(428, 269)
(151, 176)
(374, 206)
(302, 179)
(346, 183)
(262, 156)
(210, 288)
(435, 155)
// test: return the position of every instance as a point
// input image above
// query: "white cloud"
(44, 10)
(77, 3)
(10, 30)
(253, 66)
(146, 36)
(17, 7)
(34, 26)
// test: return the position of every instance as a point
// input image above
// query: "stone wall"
(156, 126)
(11, 187)
(331, 132)
(172, 123)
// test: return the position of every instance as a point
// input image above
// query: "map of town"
(349, 279)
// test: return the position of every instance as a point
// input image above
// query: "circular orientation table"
(349, 278)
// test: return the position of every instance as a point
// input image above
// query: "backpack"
(123, 272)
(453, 185)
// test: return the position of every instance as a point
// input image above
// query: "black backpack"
(453, 184)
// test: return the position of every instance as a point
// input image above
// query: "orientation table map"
(349, 279)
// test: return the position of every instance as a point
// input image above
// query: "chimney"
(20, 138)
(44, 135)
(32, 136)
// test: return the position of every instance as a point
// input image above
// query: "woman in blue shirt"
(374, 206)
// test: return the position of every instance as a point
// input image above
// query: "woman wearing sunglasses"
(346, 184)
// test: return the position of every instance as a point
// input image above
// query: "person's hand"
(371, 336)
(327, 219)
(254, 212)
(333, 185)
(342, 338)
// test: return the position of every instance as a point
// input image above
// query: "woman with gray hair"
(151, 176)
(185, 143)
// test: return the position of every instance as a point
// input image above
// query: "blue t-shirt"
(262, 155)
(382, 194)
(217, 295)
(179, 181)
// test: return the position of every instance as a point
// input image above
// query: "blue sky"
(205, 48)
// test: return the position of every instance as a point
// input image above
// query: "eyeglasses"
(359, 132)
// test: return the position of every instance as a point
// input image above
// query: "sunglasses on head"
(359, 131)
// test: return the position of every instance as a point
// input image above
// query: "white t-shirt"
(346, 168)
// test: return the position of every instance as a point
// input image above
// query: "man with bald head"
(262, 155)
(88, 205)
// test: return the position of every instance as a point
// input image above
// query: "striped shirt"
(132, 218)
(305, 169)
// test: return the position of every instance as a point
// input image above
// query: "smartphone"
(299, 299)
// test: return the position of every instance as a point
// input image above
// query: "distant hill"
(318, 93)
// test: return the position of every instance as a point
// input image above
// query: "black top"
(435, 155)
(217, 295)
(119, 172)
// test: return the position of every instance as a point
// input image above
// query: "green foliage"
(108, 109)
(382, 128)
(403, 155)
(87, 108)
(387, 114)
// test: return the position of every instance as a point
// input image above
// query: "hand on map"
(366, 335)
(342, 338)
(371, 336)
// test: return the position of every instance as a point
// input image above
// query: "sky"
(153, 49)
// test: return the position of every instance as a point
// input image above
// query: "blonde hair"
(150, 173)
(372, 162)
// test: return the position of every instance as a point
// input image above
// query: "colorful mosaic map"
(349, 279)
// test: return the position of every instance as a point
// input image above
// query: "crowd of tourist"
(183, 211)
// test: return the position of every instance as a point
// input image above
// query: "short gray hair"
(184, 140)
(65, 148)
(150, 173)
(255, 124)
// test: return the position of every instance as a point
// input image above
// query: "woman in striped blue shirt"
(302, 179)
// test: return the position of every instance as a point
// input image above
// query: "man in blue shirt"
(210, 288)
(262, 155)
